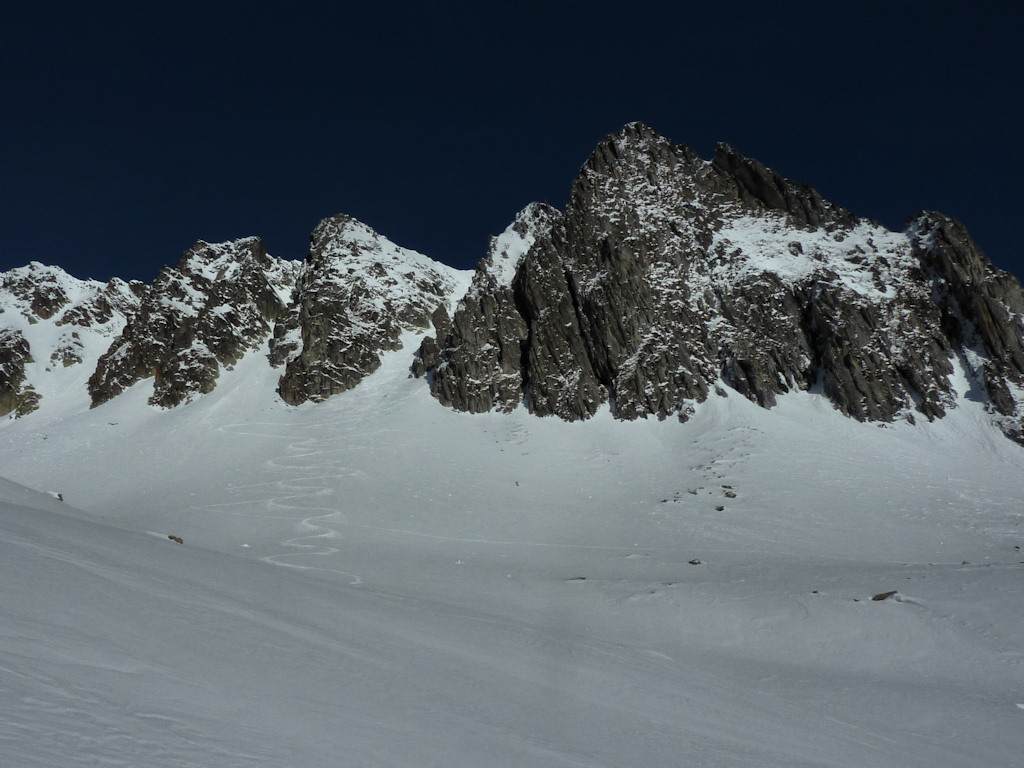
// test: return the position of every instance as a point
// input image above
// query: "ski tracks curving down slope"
(500, 589)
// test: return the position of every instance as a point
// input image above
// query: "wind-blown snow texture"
(378, 581)
(369, 578)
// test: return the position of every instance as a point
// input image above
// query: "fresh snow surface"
(379, 581)
(391, 276)
(508, 249)
(759, 244)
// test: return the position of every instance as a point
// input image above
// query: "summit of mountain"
(666, 280)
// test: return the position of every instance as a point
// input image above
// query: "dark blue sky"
(129, 132)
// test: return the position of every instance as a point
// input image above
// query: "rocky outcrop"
(16, 396)
(356, 294)
(982, 311)
(485, 340)
(198, 317)
(758, 186)
(668, 277)
(49, 318)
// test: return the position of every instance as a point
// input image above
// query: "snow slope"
(379, 581)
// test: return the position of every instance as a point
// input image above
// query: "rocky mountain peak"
(760, 187)
(506, 251)
(53, 322)
(356, 294)
(666, 280)
(669, 277)
(200, 316)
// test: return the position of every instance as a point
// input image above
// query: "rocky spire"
(668, 277)
(202, 315)
(356, 294)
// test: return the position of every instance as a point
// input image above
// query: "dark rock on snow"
(666, 274)
(219, 302)
(356, 294)
(665, 279)
(15, 396)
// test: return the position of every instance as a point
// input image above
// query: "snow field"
(376, 580)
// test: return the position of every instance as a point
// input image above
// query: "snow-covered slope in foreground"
(376, 581)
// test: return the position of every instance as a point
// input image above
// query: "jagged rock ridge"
(219, 302)
(668, 276)
(356, 294)
(52, 324)
(482, 356)
(325, 320)
(666, 279)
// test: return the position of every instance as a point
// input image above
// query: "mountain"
(53, 328)
(278, 513)
(666, 280)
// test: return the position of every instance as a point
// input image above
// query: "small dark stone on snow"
(883, 596)
(695, 561)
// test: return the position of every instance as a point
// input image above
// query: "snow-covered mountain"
(247, 519)
(667, 279)
(53, 329)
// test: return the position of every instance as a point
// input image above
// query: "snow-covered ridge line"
(670, 278)
(53, 328)
(220, 302)
(667, 279)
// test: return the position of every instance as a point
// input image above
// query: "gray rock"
(668, 276)
(981, 313)
(355, 296)
(16, 396)
(63, 315)
(478, 364)
(217, 304)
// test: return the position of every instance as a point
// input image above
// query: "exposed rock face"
(483, 356)
(49, 317)
(981, 313)
(219, 302)
(356, 294)
(668, 276)
(15, 396)
(666, 279)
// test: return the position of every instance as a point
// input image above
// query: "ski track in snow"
(524, 596)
